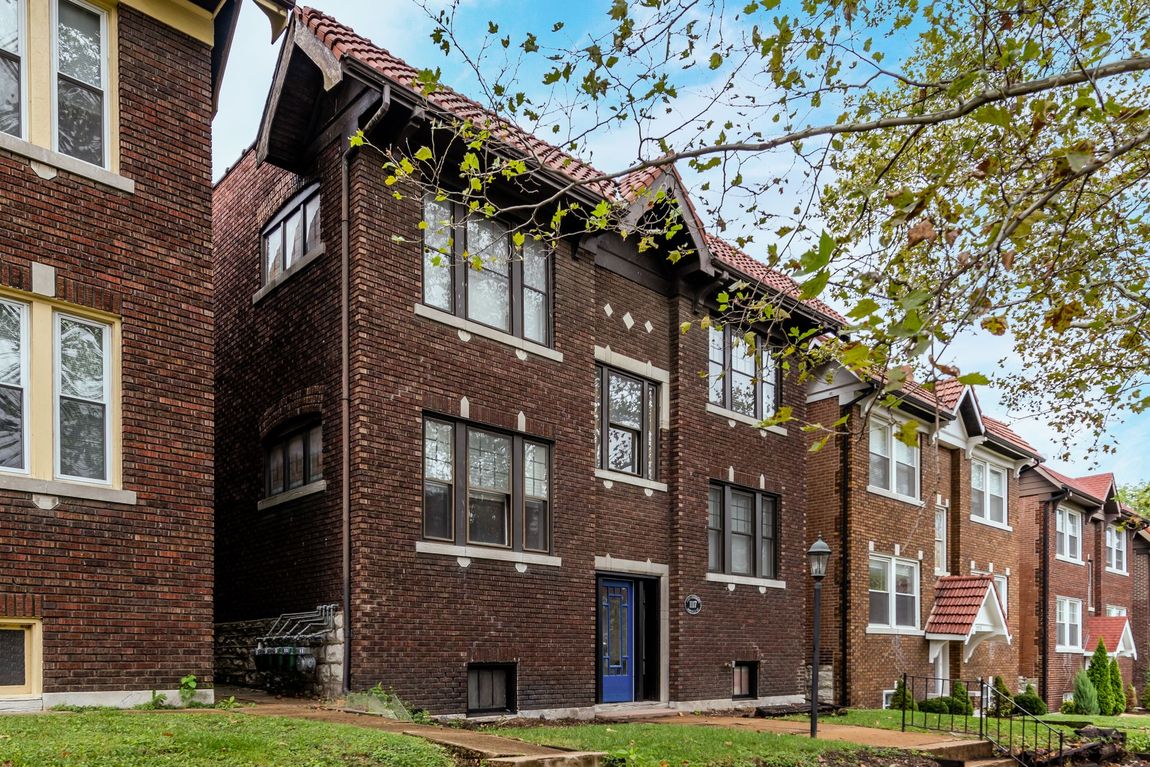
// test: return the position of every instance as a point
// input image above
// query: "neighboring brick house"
(106, 359)
(516, 487)
(925, 576)
(1080, 588)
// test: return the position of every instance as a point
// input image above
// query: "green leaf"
(973, 379)
(907, 433)
(716, 60)
(423, 154)
(815, 285)
(863, 308)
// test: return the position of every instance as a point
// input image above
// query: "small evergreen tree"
(1085, 694)
(1099, 671)
(1117, 689)
(1000, 705)
(1029, 701)
(1131, 697)
(1146, 689)
(960, 700)
(902, 698)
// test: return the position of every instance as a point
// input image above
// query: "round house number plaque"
(693, 604)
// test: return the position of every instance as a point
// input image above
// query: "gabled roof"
(1097, 485)
(344, 44)
(1086, 491)
(996, 428)
(1114, 631)
(967, 609)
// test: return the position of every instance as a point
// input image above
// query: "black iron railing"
(929, 703)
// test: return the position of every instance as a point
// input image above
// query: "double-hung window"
(893, 463)
(987, 493)
(485, 487)
(13, 69)
(1115, 549)
(473, 267)
(1068, 619)
(1068, 539)
(742, 532)
(941, 517)
(81, 69)
(292, 234)
(57, 413)
(1113, 611)
(742, 373)
(894, 593)
(627, 412)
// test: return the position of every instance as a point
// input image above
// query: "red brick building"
(1083, 574)
(106, 359)
(910, 525)
(493, 478)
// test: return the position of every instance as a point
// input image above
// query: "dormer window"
(292, 236)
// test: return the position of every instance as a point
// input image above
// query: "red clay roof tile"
(957, 600)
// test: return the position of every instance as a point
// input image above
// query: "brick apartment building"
(106, 347)
(927, 573)
(1085, 578)
(429, 462)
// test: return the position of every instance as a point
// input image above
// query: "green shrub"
(960, 702)
(1099, 671)
(902, 699)
(1068, 707)
(1085, 694)
(1029, 701)
(934, 706)
(1117, 689)
(1131, 697)
(999, 702)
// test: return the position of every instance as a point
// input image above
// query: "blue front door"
(617, 639)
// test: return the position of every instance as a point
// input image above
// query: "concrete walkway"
(864, 736)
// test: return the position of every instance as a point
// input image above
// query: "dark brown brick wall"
(418, 619)
(125, 592)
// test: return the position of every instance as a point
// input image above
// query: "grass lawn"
(159, 739)
(641, 745)
(1136, 727)
(891, 719)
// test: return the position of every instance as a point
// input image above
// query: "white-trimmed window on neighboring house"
(742, 373)
(893, 463)
(1114, 611)
(627, 411)
(894, 593)
(292, 235)
(485, 487)
(81, 68)
(63, 427)
(1068, 620)
(1116, 544)
(941, 521)
(988, 493)
(1068, 535)
(478, 270)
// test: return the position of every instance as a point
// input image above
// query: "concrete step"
(966, 751)
(997, 762)
(568, 759)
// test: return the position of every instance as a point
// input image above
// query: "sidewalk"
(864, 736)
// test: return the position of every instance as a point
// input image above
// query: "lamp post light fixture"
(818, 555)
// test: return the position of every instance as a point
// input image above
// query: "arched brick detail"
(299, 402)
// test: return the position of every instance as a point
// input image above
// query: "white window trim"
(1065, 557)
(485, 552)
(941, 568)
(25, 364)
(1004, 598)
(987, 467)
(106, 99)
(1111, 611)
(736, 417)
(57, 369)
(893, 628)
(746, 580)
(1068, 648)
(890, 423)
(607, 475)
(476, 329)
(1125, 571)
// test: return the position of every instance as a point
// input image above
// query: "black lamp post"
(817, 556)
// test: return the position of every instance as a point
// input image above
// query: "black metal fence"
(989, 714)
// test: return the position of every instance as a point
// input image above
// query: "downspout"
(844, 542)
(1044, 610)
(345, 375)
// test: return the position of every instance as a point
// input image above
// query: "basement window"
(19, 658)
(490, 688)
(745, 682)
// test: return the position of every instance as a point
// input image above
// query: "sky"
(403, 28)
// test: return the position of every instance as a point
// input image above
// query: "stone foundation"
(236, 665)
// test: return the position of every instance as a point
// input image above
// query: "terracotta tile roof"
(1097, 485)
(957, 600)
(1088, 489)
(1008, 435)
(949, 392)
(342, 41)
(1108, 628)
(736, 259)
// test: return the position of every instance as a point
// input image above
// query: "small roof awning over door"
(966, 609)
(1114, 631)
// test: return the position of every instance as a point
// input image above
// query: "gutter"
(345, 376)
(1044, 611)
